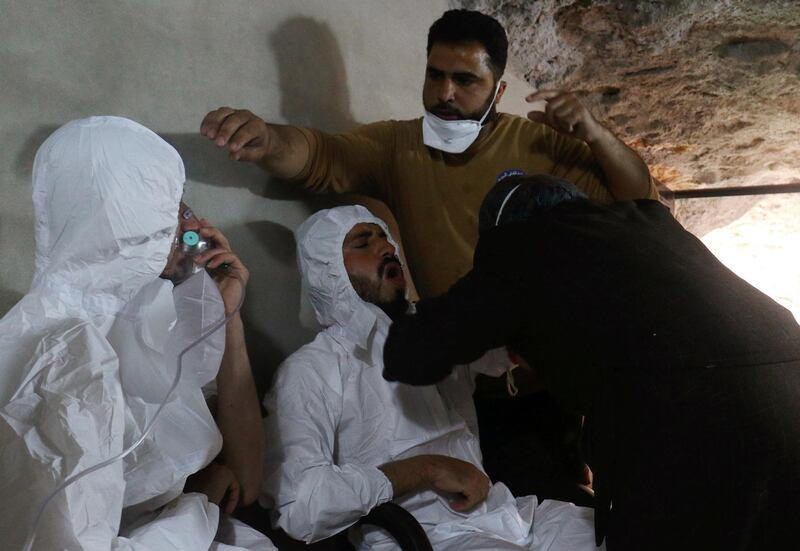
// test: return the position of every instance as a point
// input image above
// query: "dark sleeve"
(483, 310)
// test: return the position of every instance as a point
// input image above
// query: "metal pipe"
(669, 194)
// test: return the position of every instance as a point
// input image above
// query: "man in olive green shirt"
(432, 192)
(433, 172)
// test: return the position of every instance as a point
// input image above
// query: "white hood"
(319, 252)
(100, 236)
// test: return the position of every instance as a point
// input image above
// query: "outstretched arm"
(482, 311)
(356, 161)
(280, 150)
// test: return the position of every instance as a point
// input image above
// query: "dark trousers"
(531, 445)
(704, 459)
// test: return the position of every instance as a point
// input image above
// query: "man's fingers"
(460, 504)
(588, 475)
(246, 154)
(563, 112)
(565, 118)
(251, 133)
(536, 116)
(232, 123)
(474, 492)
(543, 95)
(472, 497)
(205, 258)
(558, 101)
(233, 497)
(216, 236)
(224, 260)
(216, 257)
(211, 122)
(470, 500)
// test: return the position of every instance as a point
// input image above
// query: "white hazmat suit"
(90, 352)
(332, 420)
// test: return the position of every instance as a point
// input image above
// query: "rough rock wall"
(707, 91)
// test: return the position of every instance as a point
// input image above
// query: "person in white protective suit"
(343, 440)
(91, 351)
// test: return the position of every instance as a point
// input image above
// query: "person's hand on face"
(224, 266)
(565, 113)
(222, 263)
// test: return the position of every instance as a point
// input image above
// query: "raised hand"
(224, 266)
(565, 113)
(246, 136)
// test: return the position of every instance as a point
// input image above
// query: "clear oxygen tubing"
(74, 478)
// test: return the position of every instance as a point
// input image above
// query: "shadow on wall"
(23, 167)
(312, 74)
(274, 289)
(313, 93)
(8, 299)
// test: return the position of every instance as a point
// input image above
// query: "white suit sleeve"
(314, 497)
(188, 522)
(65, 416)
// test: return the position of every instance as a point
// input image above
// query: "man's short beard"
(369, 291)
(489, 105)
(395, 307)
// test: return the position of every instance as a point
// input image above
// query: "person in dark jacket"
(689, 376)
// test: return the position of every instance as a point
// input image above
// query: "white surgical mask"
(452, 136)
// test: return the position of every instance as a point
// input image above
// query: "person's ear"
(500, 91)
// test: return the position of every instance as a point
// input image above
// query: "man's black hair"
(471, 26)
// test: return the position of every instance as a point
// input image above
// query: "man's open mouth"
(390, 269)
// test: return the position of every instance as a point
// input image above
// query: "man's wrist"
(596, 134)
(234, 330)
(428, 469)
(408, 475)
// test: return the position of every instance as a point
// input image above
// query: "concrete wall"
(322, 63)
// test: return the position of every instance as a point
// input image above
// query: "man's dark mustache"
(443, 109)
(385, 262)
